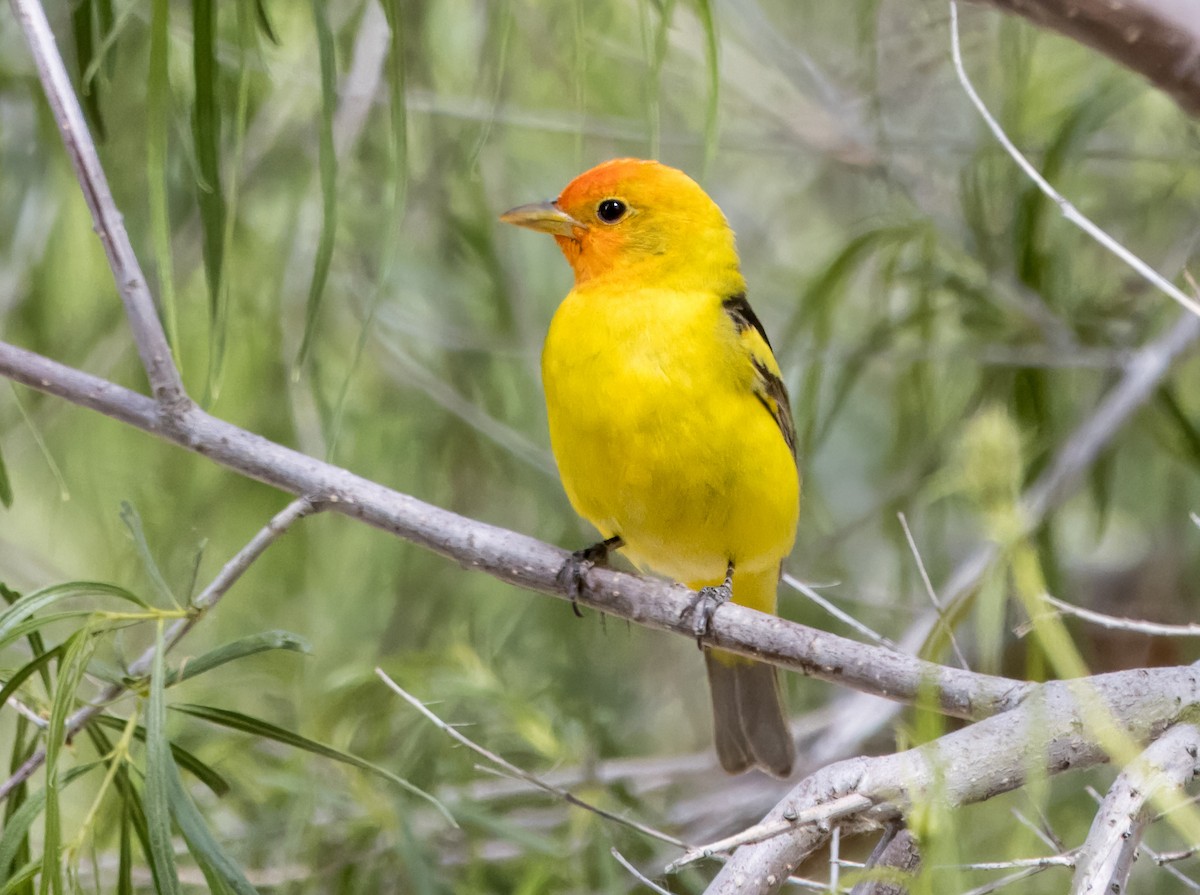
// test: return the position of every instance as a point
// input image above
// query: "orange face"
(630, 217)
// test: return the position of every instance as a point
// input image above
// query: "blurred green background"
(312, 190)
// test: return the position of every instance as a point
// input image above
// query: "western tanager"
(668, 417)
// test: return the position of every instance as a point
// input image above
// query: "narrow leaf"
(158, 114)
(83, 29)
(158, 764)
(264, 21)
(17, 825)
(215, 864)
(206, 135)
(32, 603)
(266, 730)
(19, 677)
(78, 651)
(239, 649)
(328, 173)
(185, 759)
(6, 493)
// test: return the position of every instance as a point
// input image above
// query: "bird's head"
(639, 221)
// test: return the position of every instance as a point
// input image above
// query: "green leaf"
(20, 878)
(6, 493)
(187, 760)
(12, 618)
(1189, 436)
(135, 816)
(158, 765)
(264, 22)
(158, 117)
(79, 647)
(328, 171)
(239, 649)
(34, 666)
(133, 522)
(83, 29)
(206, 136)
(266, 730)
(216, 866)
(125, 859)
(16, 827)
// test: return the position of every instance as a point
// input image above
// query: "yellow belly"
(659, 437)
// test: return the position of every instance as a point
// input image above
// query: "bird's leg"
(579, 563)
(708, 601)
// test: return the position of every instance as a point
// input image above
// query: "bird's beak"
(546, 217)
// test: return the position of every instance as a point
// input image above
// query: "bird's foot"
(573, 572)
(708, 600)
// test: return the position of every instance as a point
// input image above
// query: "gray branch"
(1158, 39)
(1107, 856)
(899, 853)
(1060, 727)
(152, 346)
(521, 560)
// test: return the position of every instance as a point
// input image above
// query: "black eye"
(611, 210)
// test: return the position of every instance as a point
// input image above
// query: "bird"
(669, 420)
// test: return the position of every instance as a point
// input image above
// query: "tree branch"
(1158, 39)
(521, 560)
(152, 346)
(1107, 856)
(1053, 731)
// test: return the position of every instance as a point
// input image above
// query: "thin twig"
(930, 592)
(1124, 624)
(844, 617)
(1168, 857)
(205, 601)
(1067, 860)
(152, 345)
(819, 815)
(637, 874)
(1069, 211)
(521, 774)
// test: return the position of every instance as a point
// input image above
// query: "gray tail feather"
(748, 721)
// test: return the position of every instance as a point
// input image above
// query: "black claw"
(571, 577)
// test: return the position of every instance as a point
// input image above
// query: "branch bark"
(152, 345)
(521, 560)
(1053, 731)
(1158, 39)
(1107, 856)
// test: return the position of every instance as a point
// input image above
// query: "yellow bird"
(668, 417)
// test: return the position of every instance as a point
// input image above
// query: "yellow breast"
(659, 436)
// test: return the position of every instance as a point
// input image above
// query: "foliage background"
(907, 272)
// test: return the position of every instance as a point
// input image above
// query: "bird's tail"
(748, 721)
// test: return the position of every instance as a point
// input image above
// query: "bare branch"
(900, 853)
(1053, 728)
(1107, 856)
(522, 560)
(1123, 624)
(1069, 211)
(152, 346)
(1158, 39)
(1145, 371)
(205, 600)
(820, 815)
(521, 774)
